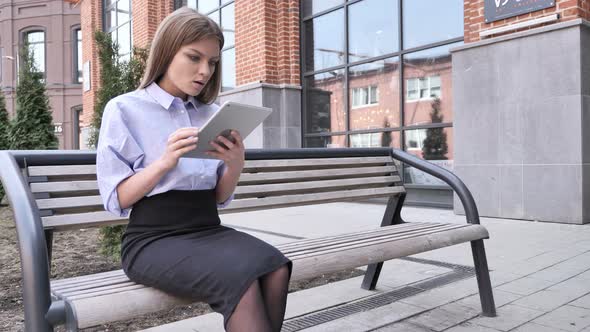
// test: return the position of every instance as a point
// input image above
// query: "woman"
(174, 240)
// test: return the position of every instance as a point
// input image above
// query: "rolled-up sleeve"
(220, 171)
(117, 154)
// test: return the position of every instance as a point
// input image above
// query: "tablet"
(230, 116)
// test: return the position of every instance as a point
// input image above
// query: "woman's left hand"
(233, 155)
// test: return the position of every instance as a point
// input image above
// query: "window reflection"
(315, 6)
(205, 6)
(428, 85)
(79, 55)
(429, 21)
(373, 140)
(324, 41)
(228, 70)
(228, 24)
(432, 144)
(36, 41)
(373, 29)
(118, 24)
(374, 94)
(326, 142)
(325, 102)
(225, 18)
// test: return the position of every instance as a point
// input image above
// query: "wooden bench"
(55, 191)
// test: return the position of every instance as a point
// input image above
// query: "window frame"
(418, 88)
(24, 35)
(76, 75)
(219, 10)
(106, 11)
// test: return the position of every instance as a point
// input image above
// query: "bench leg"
(371, 276)
(392, 216)
(484, 284)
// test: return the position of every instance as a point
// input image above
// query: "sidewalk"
(540, 273)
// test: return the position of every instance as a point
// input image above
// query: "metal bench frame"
(42, 312)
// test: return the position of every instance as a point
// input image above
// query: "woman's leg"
(275, 286)
(250, 313)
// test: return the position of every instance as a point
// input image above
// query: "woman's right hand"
(179, 142)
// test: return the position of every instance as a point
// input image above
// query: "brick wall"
(147, 15)
(267, 41)
(91, 18)
(474, 16)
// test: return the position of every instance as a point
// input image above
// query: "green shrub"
(116, 78)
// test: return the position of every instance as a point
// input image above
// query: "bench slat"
(69, 170)
(97, 218)
(81, 220)
(101, 289)
(76, 186)
(371, 241)
(303, 199)
(324, 174)
(348, 238)
(106, 305)
(62, 187)
(310, 186)
(96, 276)
(86, 284)
(69, 202)
(315, 162)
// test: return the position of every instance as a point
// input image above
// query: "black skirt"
(175, 242)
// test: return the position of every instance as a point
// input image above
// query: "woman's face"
(191, 68)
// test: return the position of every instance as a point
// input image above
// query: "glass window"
(366, 96)
(372, 29)
(325, 102)
(215, 17)
(118, 24)
(374, 94)
(311, 7)
(78, 57)
(428, 79)
(430, 21)
(352, 49)
(432, 144)
(124, 40)
(228, 69)
(375, 140)
(123, 11)
(324, 41)
(36, 40)
(228, 24)
(222, 13)
(338, 141)
(205, 6)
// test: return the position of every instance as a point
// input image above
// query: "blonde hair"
(182, 27)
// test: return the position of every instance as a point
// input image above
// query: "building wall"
(474, 20)
(521, 116)
(58, 19)
(267, 41)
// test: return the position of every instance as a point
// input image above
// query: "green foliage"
(32, 128)
(435, 145)
(116, 78)
(4, 131)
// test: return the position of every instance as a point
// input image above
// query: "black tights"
(262, 307)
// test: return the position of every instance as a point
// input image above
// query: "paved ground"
(540, 273)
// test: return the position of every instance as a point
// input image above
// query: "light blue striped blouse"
(133, 134)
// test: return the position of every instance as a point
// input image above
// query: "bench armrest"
(31, 242)
(451, 179)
